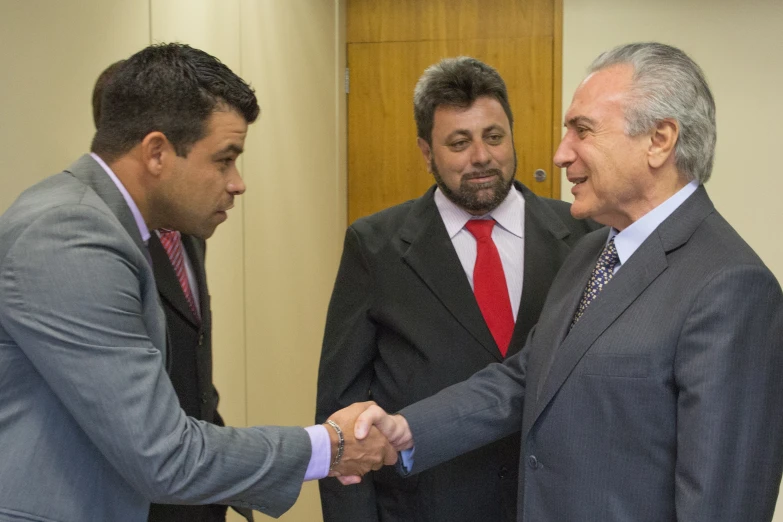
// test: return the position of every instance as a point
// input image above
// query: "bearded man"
(432, 290)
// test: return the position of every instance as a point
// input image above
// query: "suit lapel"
(195, 249)
(167, 281)
(643, 267)
(647, 263)
(565, 305)
(432, 257)
(89, 172)
(545, 247)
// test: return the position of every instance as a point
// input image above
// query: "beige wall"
(738, 44)
(272, 265)
(51, 52)
(295, 214)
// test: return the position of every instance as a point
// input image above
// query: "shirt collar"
(634, 235)
(143, 230)
(509, 214)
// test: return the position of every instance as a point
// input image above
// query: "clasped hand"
(372, 440)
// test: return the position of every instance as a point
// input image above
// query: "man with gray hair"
(412, 308)
(652, 387)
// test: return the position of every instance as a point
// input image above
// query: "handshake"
(366, 438)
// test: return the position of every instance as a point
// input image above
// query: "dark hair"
(100, 85)
(456, 82)
(172, 88)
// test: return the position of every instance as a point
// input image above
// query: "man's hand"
(394, 427)
(371, 452)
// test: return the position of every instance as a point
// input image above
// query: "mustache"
(482, 174)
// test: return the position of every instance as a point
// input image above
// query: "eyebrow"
(230, 148)
(495, 127)
(467, 133)
(459, 132)
(576, 120)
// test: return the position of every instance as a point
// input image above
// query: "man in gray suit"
(90, 425)
(651, 388)
(178, 262)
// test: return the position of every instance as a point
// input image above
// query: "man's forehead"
(489, 107)
(602, 89)
(226, 123)
(609, 83)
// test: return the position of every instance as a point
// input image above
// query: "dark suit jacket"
(190, 367)
(403, 323)
(663, 403)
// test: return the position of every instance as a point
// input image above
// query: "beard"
(481, 199)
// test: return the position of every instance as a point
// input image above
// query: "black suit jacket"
(190, 360)
(403, 324)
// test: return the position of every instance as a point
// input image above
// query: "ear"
(662, 142)
(426, 151)
(155, 152)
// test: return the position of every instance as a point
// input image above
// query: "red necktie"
(172, 243)
(489, 284)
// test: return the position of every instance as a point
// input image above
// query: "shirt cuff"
(321, 457)
(407, 459)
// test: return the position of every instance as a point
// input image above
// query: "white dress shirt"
(508, 236)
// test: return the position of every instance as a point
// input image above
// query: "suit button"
(503, 473)
(201, 339)
(532, 461)
(203, 398)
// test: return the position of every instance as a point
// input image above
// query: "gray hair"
(668, 84)
(455, 82)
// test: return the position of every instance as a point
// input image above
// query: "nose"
(236, 185)
(564, 155)
(480, 156)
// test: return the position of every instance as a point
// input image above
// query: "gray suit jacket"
(90, 426)
(665, 402)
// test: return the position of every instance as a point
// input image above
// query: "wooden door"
(391, 42)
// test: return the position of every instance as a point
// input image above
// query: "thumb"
(365, 421)
(350, 480)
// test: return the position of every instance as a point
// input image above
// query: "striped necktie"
(172, 244)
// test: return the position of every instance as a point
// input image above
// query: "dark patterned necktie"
(600, 277)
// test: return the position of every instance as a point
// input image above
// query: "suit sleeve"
(346, 372)
(470, 414)
(729, 378)
(73, 301)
